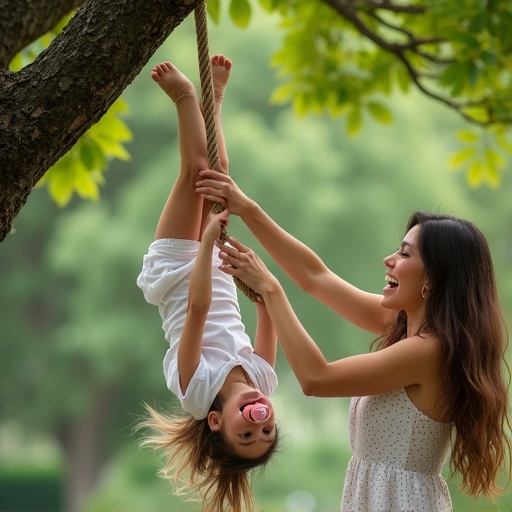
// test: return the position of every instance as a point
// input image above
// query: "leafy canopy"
(348, 58)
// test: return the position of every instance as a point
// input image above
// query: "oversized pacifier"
(256, 413)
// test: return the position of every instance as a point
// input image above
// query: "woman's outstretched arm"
(412, 361)
(296, 259)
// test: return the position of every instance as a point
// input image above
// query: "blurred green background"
(81, 350)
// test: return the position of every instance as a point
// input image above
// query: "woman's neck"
(415, 323)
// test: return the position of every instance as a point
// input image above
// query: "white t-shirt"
(165, 280)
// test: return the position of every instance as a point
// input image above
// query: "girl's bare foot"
(172, 81)
(221, 68)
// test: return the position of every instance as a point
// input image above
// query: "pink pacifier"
(256, 413)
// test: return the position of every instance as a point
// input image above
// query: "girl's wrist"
(208, 240)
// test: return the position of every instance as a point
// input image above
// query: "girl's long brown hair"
(199, 463)
(462, 311)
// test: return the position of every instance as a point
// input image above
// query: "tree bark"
(23, 21)
(47, 106)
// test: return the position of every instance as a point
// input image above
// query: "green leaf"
(494, 159)
(61, 185)
(110, 127)
(269, 5)
(240, 12)
(489, 57)
(492, 176)
(113, 148)
(282, 94)
(478, 23)
(213, 9)
(450, 74)
(472, 73)
(468, 136)
(479, 114)
(380, 112)
(403, 78)
(91, 154)
(85, 185)
(302, 104)
(464, 39)
(119, 107)
(354, 122)
(460, 157)
(16, 63)
(459, 74)
(458, 85)
(100, 159)
(475, 174)
(338, 102)
(87, 156)
(503, 143)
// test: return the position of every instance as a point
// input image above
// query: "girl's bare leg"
(221, 69)
(182, 214)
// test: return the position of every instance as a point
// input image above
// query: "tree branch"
(47, 106)
(24, 21)
(414, 42)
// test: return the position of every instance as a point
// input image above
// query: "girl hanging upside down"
(222, 382)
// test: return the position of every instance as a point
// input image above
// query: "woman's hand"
(242, 262)
(220, 188)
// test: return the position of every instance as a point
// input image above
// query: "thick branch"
(24, 21)
(48, 106)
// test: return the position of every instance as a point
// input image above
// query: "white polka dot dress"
(398, 456)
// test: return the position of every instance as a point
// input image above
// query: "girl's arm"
(296, 259)
(265, 339)
(199, 301)
(411, 361)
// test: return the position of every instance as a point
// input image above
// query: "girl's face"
(248, 438)
(405, 276)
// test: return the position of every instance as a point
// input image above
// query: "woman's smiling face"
(405, 276)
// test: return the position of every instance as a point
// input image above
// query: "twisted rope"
(205, 76)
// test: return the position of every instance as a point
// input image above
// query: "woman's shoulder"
(428, 362)
(422, 354)
(426, 343)
(417, 344)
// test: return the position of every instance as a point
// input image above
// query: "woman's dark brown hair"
(462, 311)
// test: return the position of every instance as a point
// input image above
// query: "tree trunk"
(84, 448)
(47, 106)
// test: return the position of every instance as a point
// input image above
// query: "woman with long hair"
(435, 384)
